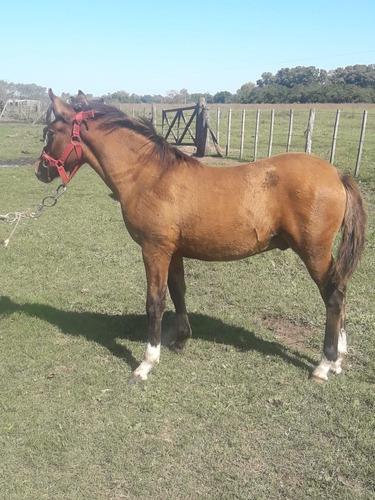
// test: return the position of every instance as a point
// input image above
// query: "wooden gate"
(172, 119)
(178, 128)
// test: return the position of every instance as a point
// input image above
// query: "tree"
(267, 79)
(244, 92)
(222, 97)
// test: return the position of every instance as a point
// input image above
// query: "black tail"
(353, 232)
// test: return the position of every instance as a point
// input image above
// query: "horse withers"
(175, 207)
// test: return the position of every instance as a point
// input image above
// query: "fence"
(26, 110)
(253, 134)
(345, 136)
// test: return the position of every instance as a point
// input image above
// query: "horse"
(175, 207)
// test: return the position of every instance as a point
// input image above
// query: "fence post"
(178, 126)
(242, 132)
(218, 125)
(201, 127)
(162, 121)
(360, 145)
(256, 135)
(271, 132)
(153, 115)
(228, 132)
(290, 130)
(334, 137)
(309, 131)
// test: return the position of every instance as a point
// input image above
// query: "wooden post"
(178, 126)
(360, 145)
(242, 132)
(133, 112)
(309, 131)
(218, 125)
(153, 115)
(201, 127)
(290, 131)
(228, 132)
(271, 133)
(334, 137)
(256, 134)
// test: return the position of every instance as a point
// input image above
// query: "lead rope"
(15, 217)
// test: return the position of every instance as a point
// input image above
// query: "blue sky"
(151, 47)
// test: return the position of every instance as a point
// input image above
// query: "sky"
(152, 47)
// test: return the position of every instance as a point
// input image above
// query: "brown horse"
(175, 207)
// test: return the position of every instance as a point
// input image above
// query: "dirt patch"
(296, 335)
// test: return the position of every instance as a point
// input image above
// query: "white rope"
(16, 217)
(15, 222)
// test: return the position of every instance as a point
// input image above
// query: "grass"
(234, 417)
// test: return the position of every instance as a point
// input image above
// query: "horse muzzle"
(42, 171)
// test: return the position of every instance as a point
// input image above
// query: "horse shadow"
(106, 330)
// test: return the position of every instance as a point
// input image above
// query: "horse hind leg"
(177, 289)
(333, 294)
(335, 336)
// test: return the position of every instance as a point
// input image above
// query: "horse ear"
(60, 108)
(81, 97)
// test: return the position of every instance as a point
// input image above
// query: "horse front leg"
(156, 265)
(177, 289)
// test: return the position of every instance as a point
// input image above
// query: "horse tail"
(353, 232)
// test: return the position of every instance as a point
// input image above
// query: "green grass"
(19, 143)
(234, 417)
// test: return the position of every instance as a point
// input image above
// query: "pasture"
(235, 416)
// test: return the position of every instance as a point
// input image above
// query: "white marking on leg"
(336, 365)
(341, 349)
(342, 346)
(152, 357)
(321, 371)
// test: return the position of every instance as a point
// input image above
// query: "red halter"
(75, 144)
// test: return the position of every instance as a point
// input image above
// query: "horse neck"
(119, 159)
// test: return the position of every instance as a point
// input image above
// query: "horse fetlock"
(325, 366)
(182, 333)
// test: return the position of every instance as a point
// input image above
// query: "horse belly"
(223, 245)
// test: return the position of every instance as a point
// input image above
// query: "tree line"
(300, 84)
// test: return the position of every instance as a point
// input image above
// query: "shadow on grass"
(106, 329)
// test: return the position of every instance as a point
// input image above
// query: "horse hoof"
(136, 378)
(177, 346)
(319, 379)
(337, 370)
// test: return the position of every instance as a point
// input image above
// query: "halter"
(75, 144)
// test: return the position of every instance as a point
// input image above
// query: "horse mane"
(112, 118)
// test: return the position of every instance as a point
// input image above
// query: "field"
(235, 416)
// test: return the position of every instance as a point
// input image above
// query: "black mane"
(112, 118)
